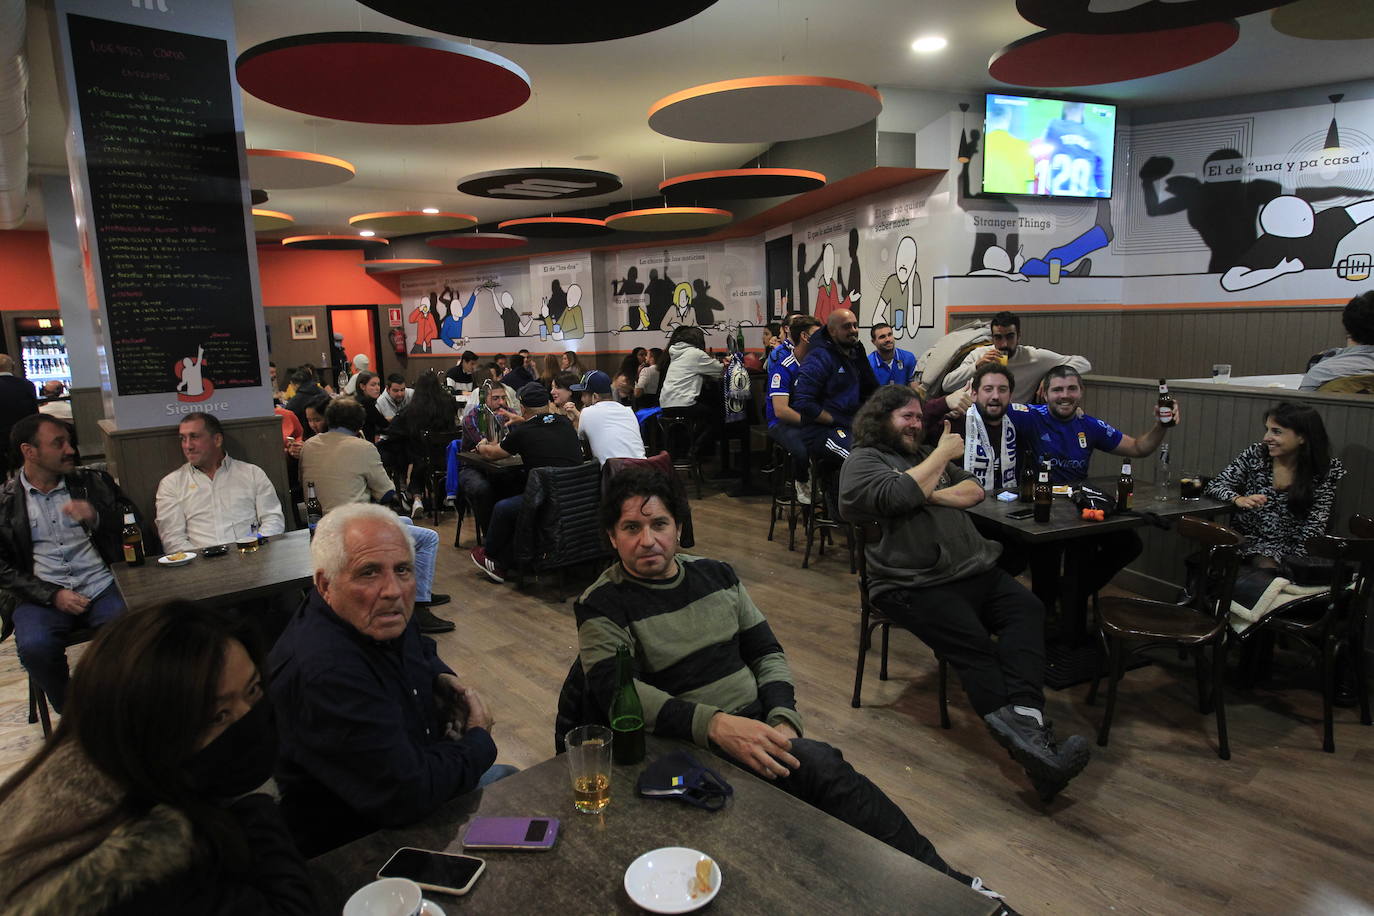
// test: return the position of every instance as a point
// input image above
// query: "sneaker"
(428, 623)
(804, 492)
(487, 565)
(1005, 910)
(1032, 745)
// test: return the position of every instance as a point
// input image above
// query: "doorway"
(358, 325)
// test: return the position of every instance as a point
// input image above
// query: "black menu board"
(167, 208)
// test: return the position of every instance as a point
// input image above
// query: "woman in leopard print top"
(1284, 485)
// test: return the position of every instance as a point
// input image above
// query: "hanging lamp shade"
(541, 22)
(740, 184)
(267, 220)
(557, 227)
(380, 78)
(669, 219)
(289, 169)
(409, 222)
(765, 109)
(477, 241)
(333, 242)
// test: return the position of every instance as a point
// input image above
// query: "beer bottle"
(1125, 488)
(313, 511)
(133, 540)
(1044, 494)
(627, 715)
(1027, 481)
(1165, 409)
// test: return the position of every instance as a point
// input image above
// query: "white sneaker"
(804, 492)
(977, 885)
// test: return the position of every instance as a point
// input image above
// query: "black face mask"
(240, 759)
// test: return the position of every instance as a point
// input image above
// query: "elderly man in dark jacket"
(60, 529)
(376, 731)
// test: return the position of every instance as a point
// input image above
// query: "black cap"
(533, 394)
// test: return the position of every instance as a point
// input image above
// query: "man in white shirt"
(213, 499)
(610, 428)
(396, 396)
(1028, 363)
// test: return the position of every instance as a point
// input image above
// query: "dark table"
(500, 465)
(776, 854)
(282, 563)
(1073, 659)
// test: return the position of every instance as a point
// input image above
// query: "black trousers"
(827, 781)
(958, 620)
(1090, 564)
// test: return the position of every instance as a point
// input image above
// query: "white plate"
(430, 908)
(663, 881)
(167, 561)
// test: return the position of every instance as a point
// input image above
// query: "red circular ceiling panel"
(1054, 59)
(1146, 16)
(378, 78)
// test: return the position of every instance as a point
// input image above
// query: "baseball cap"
(533, 394)
(595, 381)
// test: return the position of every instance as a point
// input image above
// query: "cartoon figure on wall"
(426, 329)
(804, 275)
(661, 292)
(899, 303)
(703, 305)
(1223, 213)
(1295, 239)
(681, 314)
(512, 323)
(828, 295)
(451, 328)
(851, 290)
(969, 202)
(193, 385)
(572, 326)
(1072, 256)
(632, 291)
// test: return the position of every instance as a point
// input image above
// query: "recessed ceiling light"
(367, 233)
(430, 210)
(929, 43)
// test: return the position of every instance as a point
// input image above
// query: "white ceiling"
(591, 100)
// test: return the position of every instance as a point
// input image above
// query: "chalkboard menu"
(167, 208)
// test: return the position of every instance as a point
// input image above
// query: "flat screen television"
(1047, 147)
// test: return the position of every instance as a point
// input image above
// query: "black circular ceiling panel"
(1150, 16)
(539, 184)
(541, 22)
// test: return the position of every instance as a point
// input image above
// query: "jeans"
(790, 438)
(827, 781)
(497, 772)
(501, 532)
(957, 620)
(426, 551)
(40, 636)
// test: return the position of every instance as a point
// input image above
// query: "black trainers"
(428, 623)
(1049, 764)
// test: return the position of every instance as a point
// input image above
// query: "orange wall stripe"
(296, 278)
(27, 271)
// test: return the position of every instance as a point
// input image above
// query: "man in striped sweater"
(708, 668)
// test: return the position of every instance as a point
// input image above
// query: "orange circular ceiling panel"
(407, 222)
(669, 219)
(287, 169)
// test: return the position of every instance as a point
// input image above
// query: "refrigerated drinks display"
(43, 349)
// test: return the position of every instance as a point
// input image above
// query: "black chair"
(432, 469)
(559, 522)
(784, 486)
(1201, 622)
(679, 436)
(820, 518)
(870, 618)
(1332, 623)
(38, 700)
(663, 464)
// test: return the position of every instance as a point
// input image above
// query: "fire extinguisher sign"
(393, 317)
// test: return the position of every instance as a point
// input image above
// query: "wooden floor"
(1155, 824)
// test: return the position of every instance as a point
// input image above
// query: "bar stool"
(679, 434)
(819, 524)
(784, 486)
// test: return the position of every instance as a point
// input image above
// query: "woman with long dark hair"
(623, 382)
(690, 386)
(423, 429)
(1284, 485)
(367, 391)
(149, 798)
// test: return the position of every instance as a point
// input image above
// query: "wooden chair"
(1333, 622)
(870, 618)
(1195, 625)
(38, 700)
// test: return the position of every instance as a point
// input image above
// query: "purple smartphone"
(511, 833)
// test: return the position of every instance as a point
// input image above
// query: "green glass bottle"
(627, 715)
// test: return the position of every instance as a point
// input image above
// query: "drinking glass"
(247, 541)
(1221, 373)
(1190, 485)
(589, 765)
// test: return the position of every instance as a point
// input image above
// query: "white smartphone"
(443, 872)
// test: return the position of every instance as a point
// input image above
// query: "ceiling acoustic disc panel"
(333, 242)
(379, 78)
(1147, 16)
(259, 197)
(557, 227)
(1324, 20)
(290, 169)
(386, 265)
(541, 22)
(740, 184)
(669, 219)
(539, 184)
(1057, 59)
(267, 220)
(478, 241)
(409, 222)
(765, 109)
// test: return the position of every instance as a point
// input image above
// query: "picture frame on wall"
(303, 327)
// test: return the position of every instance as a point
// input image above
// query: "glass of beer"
(1190, 485)
(589, 765)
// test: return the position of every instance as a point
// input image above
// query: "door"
(358, 325)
